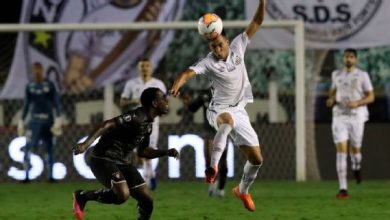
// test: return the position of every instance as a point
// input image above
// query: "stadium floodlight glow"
(60, 171)
(197, 143)
(17, 154)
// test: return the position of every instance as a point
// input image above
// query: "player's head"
(156, 99)
(145, 68)
(37, 70)
(350, 57)
(219, 46)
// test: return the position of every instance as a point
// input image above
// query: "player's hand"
(56, 129)
(174, 91)
(353, 104)
(20, 128)
(173, 153)
(79, 148)
(330, 102)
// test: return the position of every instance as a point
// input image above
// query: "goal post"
(299, 49)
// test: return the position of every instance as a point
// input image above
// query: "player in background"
(202, 101)
(231, 88)
(349, 96)
(130, 98)
(41, 98)
(110, 159)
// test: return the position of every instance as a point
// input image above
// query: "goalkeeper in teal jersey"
(41, 98)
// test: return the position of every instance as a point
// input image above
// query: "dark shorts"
(209, 132)
(108, 173)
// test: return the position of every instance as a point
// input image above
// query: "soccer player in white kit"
(231, 91)
(130, 99)
(350, 93)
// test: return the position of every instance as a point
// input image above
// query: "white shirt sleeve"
(200, 67)
(127, 93)
(240, 43)
(163, 87)
(367, 85)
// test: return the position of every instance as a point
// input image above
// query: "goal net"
(279, 113)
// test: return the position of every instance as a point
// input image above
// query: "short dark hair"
(143, 59)
(148, 96)
(38, 64)
(351, 50)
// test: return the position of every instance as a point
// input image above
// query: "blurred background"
(330, 27)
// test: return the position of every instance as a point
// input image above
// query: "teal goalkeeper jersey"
(41, 98)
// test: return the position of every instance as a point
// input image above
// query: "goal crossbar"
(296, 25)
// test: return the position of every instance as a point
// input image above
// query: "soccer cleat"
(245, 198)
(221, 193)
(78, 205)
(343, 194)
(358, 176)
(211, 174)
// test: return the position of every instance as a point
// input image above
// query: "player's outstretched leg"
(341, 165)
(219, 145)
(106, 196)
(145, 202)
(251, 168)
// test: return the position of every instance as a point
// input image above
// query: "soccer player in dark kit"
(110, 159)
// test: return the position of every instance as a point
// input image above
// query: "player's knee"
(122, 196)
(257, 161)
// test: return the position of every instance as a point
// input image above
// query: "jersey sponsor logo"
(46, 89)
(127, 117)
(326, 20)
(236, 59)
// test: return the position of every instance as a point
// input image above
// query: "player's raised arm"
(257, 20)
(180, 80)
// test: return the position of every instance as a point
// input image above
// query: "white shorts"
(153, 139)
(348, 129)
(243, 132)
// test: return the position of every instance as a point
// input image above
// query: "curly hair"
(148, 96)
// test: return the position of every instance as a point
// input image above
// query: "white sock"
(356, 160)
(341, 166)
(219, 144)
(248, 177)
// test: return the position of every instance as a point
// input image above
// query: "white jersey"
(350, 87)
(134, 87)
(133, 90)
(230, 83)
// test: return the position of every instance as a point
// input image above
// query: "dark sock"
(106, 196)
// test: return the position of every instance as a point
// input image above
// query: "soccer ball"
(210, 25)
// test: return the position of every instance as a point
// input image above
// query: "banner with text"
(328, 23)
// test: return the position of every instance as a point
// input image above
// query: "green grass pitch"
(177, 200)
